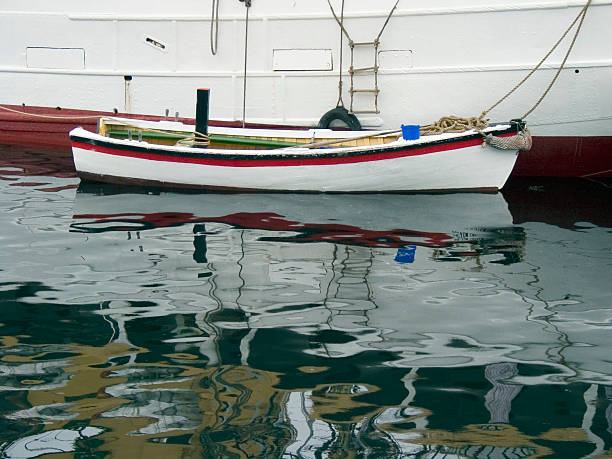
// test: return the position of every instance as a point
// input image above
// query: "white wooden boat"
(379, 163)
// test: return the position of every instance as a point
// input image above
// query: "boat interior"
(175, 133)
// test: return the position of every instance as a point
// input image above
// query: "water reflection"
(228, 325)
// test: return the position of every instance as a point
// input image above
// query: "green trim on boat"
(121, 134)
(255, 142)
(227, 139)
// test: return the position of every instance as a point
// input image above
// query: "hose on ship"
(214, 27)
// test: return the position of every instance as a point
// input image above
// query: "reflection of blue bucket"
(411, 131)
(406, 255)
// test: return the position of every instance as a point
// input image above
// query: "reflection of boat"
(366, 163)
(375, 220)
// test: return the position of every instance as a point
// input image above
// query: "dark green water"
(146, 324)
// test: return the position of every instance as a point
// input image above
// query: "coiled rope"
(196, 140)
(454, 124)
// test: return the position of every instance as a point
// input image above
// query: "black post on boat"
(202, 111)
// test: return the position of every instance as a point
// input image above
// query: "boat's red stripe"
(256, 162)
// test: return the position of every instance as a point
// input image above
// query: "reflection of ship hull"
(563, 203)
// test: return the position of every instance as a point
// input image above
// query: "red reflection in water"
(17, 162)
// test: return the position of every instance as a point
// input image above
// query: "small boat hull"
(447, 162)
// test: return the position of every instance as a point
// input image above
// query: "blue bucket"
(411, 131)
(406, 254)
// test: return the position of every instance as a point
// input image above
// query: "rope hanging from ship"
(580, 20)
(522, 141)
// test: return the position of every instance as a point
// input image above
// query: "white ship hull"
(436, 58)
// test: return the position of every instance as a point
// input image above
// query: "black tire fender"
(340, 114)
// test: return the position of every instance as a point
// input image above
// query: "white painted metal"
(438, 57)
(302, 59)
(477, 167)
(55, 58)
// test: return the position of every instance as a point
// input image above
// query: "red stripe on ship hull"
(549, 157)
(566, 157)
(49, 126)
(366, 157)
